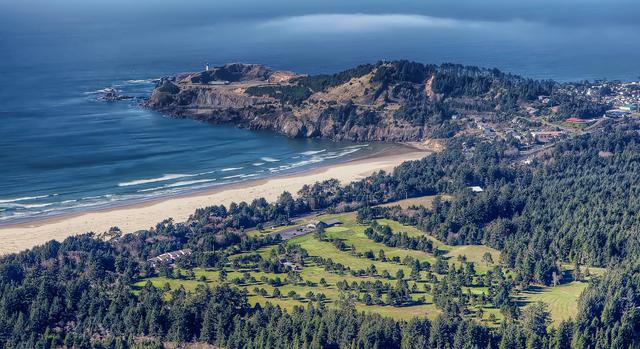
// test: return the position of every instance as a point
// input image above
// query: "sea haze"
(62, 148)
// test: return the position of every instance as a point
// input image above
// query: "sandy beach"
(18, 237)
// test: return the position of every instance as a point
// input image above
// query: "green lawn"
(425, 201)
(474, 253)
(561, 299)
(327, 250)
(312, 273)
(352, 234)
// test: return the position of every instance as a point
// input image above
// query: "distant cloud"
(359, 22)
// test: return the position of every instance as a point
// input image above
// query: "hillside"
(386, 101)
(545, 256)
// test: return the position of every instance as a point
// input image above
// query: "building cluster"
(169, 257)
(534, 131)
(524, 130)
(624, 97)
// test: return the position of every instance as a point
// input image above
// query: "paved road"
(292, 232)
(295, 231)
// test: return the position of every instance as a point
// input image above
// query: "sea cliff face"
(387, 101)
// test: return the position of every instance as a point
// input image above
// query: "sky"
(476, 32)
(41, 14)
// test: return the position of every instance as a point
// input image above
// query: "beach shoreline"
(143, 215)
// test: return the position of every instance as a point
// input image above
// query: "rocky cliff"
(387, 101)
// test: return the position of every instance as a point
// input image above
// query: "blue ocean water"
(61, 148)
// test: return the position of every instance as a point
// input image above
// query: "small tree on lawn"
(487, 258)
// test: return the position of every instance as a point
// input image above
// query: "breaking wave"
(140, 189)
(313, 152)
(241, 176)
(26, 198)
(269, 159)
(166, 177)
(141, 81)
(102, 90)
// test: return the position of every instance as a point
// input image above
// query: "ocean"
(64, 149)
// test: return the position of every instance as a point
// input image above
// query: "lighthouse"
(206, 67)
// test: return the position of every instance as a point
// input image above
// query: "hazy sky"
(542, 36)
(35, 14)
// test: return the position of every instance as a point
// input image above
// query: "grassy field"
(425, 201)
(310, 273)
(562, 300)
(352, 234)
(316, 279)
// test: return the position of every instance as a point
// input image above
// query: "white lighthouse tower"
(206, 67)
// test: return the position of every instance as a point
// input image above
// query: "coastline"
(143, 215)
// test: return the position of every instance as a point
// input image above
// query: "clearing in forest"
(400, 282)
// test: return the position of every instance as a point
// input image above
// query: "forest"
(453, 85)
(577, 204)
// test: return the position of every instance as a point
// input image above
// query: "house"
(617, 113)
(476, 189)
(169, 257)
(313, 224)
(542, 98)
(219, 82)
(546, 136)
(289, 265)
(329, 223)
(332, 222)
(578, 121)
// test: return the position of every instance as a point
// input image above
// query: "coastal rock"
(387, 101)
(112, 95)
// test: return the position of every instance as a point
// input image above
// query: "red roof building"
(577, 120)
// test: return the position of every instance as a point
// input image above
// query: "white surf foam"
(240, 176)
(6, 201)
(151, 189)
(356, 146)
(166, 177)
(313, 152)
(319, 157)
(268, 159)
(177, 185)
(102, 90)
(231, 169)
(141, 81)
(185, 183)
(30, 205)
